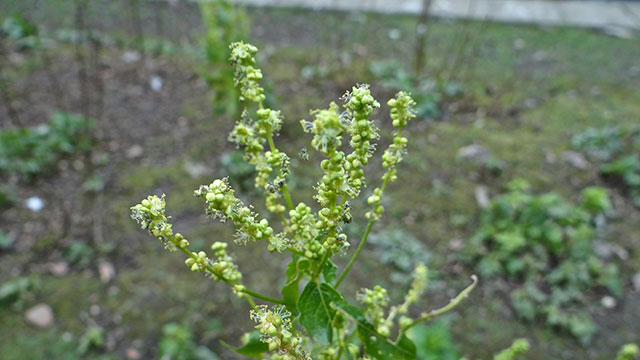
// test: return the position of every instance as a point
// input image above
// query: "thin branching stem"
(243, 290)
(437, 312)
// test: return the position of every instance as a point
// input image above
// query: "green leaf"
(295, 272)
(254, 348)
(316, 311)
(375, 344)
(329, 272)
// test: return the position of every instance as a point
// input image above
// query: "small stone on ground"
(40, 315)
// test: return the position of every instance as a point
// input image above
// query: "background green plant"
(617, 149)
(544, 243)
(27, 152)
(224, 23)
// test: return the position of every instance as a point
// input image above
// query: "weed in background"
(28, 152)
(544, 243)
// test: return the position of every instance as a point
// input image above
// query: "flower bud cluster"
(253, 135)
(245, 134)
(378, 209)
(518, 347)
(224, 267)
(374, 303)
(223, 204)
(418, 287)
(328, 127)
(628, 352)
(275, 330)
(150, 214)
(401, 112)
(303, 227)
(360, 106)
(247, 75)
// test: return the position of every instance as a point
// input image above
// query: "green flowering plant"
(318, 322)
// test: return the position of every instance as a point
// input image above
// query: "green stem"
(263, 297)
(251, 302)
(287, 196)
(244, 290)
(325, 257)
(345, 343)
(437, 312)
(355, 256)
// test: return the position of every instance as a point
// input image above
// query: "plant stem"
(263, 297)
(355, 256)
(437, 312)
(244, 290)
(325, 257)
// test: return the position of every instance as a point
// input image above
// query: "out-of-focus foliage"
(618, 149)
(177, 344)
(225, 23)
(628, 352)
(400, 249)
(93, 338)
(628, 170)
(434, 342)
(543, 242)
(601, 144)
(427, 92)
(240, 172)
(516, 349)
(22, 32)
(28, 152)
(15, 292)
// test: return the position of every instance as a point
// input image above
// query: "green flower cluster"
(276, 331)
(224, 265)
(628, 352)
(418, 287)
(247, 75)
(303, 226)
(328, 128)
(520, 346)
(223, 205)
(150, 214)
(360, 106)
(374, 303)
(402, 110)
(254, 134)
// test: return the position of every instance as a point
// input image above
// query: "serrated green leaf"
(316, 311)
(254, 348)
(376, 345)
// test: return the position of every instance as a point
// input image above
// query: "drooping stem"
(437, 312)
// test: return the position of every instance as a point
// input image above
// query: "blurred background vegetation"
(523, 167)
